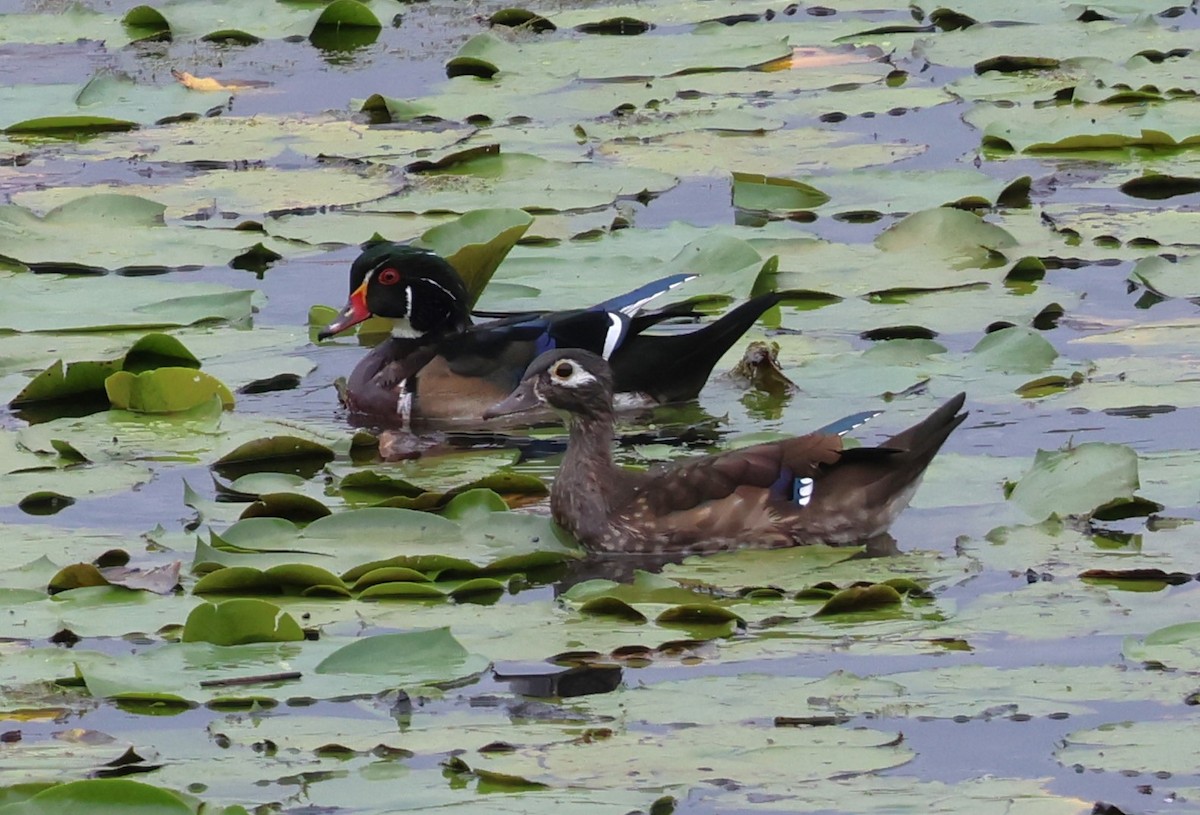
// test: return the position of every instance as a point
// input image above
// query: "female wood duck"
(438, 366)
(806, 489)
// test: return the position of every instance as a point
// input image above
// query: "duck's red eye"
(389, 277)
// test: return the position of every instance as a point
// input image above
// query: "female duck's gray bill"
(522, 399)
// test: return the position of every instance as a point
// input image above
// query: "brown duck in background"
(802, 490)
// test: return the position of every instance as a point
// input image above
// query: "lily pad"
(1076, 480)
(240, 621)
(164, 390)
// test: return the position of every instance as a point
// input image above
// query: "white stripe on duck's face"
(567, 373)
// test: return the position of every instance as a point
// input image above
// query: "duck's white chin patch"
(402, 330)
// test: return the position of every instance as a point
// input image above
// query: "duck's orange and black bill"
(354, 313)
(522, 399)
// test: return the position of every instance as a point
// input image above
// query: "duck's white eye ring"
(563, 370)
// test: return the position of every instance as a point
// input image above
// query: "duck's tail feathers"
(674, 367)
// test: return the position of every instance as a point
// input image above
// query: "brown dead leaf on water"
(208, 83)
(811, 58)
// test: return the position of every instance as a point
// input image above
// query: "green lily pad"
(1169, 278)
(1076, 480)
(103, 796)
(164, 390)
(760, 192)
(287, 578)
(1141, 747)
(709, 47)
(85, 221)
(861, 598)
(429, 653)
(231, 21)
(475, 244)
(240, 621)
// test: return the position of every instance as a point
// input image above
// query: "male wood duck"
(802, 490)
(438, 366)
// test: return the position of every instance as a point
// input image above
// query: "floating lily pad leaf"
(390, 574)
(887, 192)
(1167, 477)
(959, 237)
(1177, 278)
(1052, 40)
(710, 47)
(59, 126)
(476, 243)
(653, 125)
(160, 579)
(439, 475)
(414, 657)
(102, 796)
(72, 23)
(1158, 186)
(691, 614)
(289, 505)
(478, 588)
(1135, 579)
(401, 590)
(226, 20)
(1076, 480)
(1133, 747)
(49, 304)
(1045, 386)
(358, 541)
(719, 152)
(240, 621)
(789, 569)
(861, 598)
(1176, 647)
(1103, 230)
(659, 14)
(165, 390)
(212, 199)
(98, 611)
(645, 588)
(44, 502)
(227, 139)
(608, 606)
(1015, 349)
(286, 579)
(1142, 77)
(759, 192)
(64, 382)
(473, 503)
(1069, 129)
(348, 13)
(275, 448)
(507, 180)
(77, 233)
(753, 755)
(107, 102)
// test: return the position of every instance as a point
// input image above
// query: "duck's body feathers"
(803, 490)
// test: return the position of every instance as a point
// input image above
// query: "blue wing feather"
(630, 302)
(844, 425)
